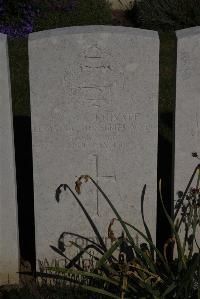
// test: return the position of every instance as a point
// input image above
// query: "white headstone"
(9, 249)
(187, 120)
(94, 107)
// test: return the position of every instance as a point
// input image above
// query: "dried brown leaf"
(78, 183)
(111, 234)
(172, 241)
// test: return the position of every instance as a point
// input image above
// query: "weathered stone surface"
(187, 121)
(94, 101)
(9, 253)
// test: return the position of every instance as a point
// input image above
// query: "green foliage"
(131, 270)
(165, 14)
(84, 12)
(43, 292)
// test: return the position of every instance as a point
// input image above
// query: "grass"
(45, 292)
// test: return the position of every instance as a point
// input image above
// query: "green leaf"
(109, 253)
(144, 222)
(107, 269)
(80, 254)
(179, 247)
(84, 274)
(130, 239)
(48, 275)
(94, 247)
(115, 211)
(165, 264)
(188, 276)
(169, 289)
(81, 237)
(123, 224)
(63, 255)
(100, 291)
(185, 192)
(57, 197)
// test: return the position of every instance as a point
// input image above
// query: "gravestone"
(94, 110)
(187, 120)
(9, 253)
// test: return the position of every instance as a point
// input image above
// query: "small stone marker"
(9, 248)
(187, 121)
(94, 107)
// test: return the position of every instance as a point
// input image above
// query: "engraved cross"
(98, 176)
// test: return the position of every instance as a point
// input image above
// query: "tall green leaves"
(143, 275)
(57, 197)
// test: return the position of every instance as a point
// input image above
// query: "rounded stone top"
(93, 29)
(188, 32)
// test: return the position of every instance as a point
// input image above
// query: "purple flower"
(22, 30)
(24, 25)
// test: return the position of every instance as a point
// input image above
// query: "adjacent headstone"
(187, 120)
(94, 110)
(9, 249)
